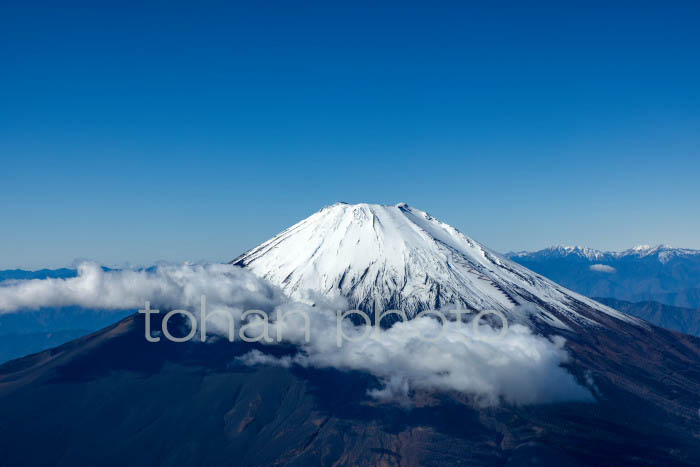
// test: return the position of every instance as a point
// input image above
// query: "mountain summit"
(399, 257)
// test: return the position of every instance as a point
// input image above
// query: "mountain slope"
(18, 345)
(675, 318)
(398, 257)
(113, 399)
(28, 331)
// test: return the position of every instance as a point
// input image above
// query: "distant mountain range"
(662, 274)
(22, 274)
(663, 253)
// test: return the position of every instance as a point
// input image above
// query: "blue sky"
(134, 132)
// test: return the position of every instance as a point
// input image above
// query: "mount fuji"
(399, 257)
(140, 403)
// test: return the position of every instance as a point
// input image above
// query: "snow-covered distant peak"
(399, 257)
(643, 250)
(664, 253)
(581, 251)
(646, 250)
(560, 250)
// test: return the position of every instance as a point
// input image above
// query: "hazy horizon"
(126, 262)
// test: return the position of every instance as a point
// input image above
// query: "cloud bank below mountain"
(519, 368)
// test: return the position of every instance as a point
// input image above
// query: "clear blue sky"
(133, 132)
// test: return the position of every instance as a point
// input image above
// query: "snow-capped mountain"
(399, 257)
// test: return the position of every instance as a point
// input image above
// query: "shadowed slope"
(112, 398)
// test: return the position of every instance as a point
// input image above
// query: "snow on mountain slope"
(398, 257)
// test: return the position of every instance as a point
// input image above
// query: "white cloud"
(520, 368)
(167, 286)
(603, 268)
